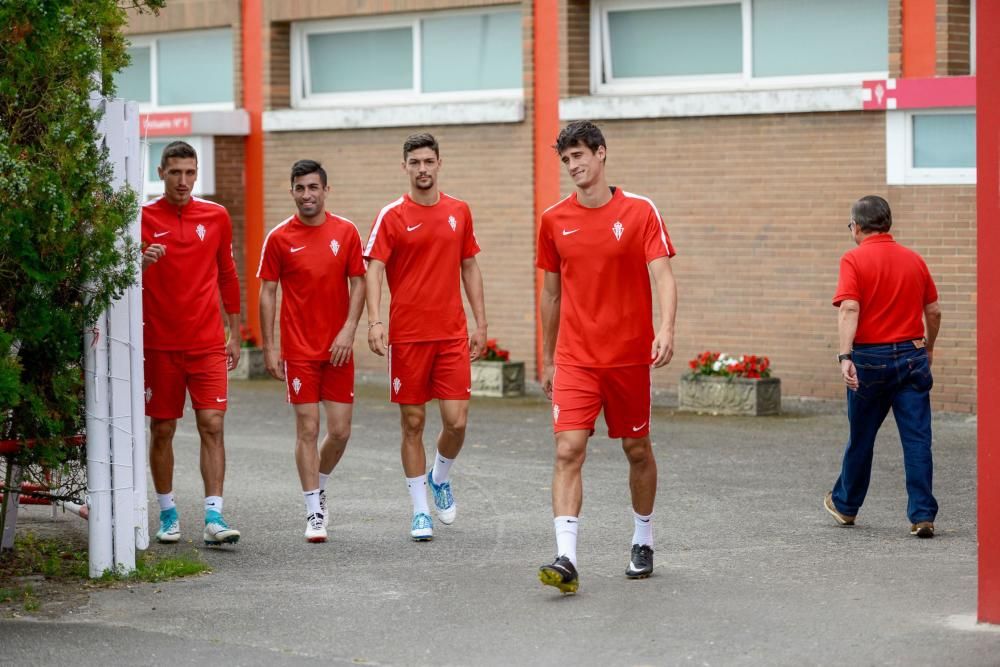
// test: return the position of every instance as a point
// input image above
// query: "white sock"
(643, 529)
(166, 500)
(312, 502)
(322, 481)
(566, 536)
(442, 467)
(418, 494)
(213, 503)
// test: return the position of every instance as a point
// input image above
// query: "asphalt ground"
(750, 569)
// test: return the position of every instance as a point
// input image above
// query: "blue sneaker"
(217, 531)
(444, 502)
(422, 528)
(170, 527)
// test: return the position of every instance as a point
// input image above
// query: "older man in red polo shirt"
(889, 320)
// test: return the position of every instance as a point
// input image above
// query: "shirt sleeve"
(930, 289)
(270, 259)
(380, 240)
(655, 239)
(470, 245)
(547, 257)
(847, 283)
(229, 283)
(355, 262)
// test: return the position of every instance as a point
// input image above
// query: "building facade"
(752, 124)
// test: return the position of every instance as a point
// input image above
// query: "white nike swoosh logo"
(297, 249)
(567, 232)
(221, 400)
(639, 427)
(632, 567)
(468, 389)
(410, 229)
(157, 235)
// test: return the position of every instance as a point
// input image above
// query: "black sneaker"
(561, 574)
(640, 565)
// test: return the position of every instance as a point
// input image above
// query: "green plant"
(62, 258)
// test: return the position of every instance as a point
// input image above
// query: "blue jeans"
(896, 376)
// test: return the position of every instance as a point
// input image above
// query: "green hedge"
(61, 262)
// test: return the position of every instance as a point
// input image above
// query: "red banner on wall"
(164, 124)
(947, 91)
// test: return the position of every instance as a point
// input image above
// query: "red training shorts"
(421, 371)
(579, 393)
(315, 381)
(169, 373)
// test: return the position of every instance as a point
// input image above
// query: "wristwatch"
(844, 357)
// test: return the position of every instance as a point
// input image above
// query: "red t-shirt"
(312, 264)
(892, 284)
(601, 254)
(422, 248)
(180, 292)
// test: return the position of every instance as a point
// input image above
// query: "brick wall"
(895, 38)
(953, 37)
(758, 209)
(229, 191)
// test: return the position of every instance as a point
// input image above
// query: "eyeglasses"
(851, 224)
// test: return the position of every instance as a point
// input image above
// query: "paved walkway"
(750, 568)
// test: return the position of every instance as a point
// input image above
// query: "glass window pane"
(195, 69)
(944, 140)
(344, 62)
(471, 52)
(156, 147)
(677, 41)
(801, 37)
(133, 82)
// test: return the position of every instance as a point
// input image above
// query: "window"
(446, 56)
(931, 146)
(639, 46)
(204, 146)
(189, 70)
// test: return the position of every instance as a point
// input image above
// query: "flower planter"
(730, 396)
(498, 378)
(250, 366)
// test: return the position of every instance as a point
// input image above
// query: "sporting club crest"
(618, 228)
(335, 246)
(296, 385)
(200, 231)
(149, 394)
(555, 413)
(396, 384)
(452, 222)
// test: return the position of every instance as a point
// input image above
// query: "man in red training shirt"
(423, 243)
(315, 255)
(889, 320)
(597, 248)
(187, 263)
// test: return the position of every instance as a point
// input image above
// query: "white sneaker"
(170, 527)
(322, 509)
(315, 528)
(217, 531)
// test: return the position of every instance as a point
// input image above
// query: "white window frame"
(899, 152)
(303, 98)
(600, 59)
(204, 146)
(151, 42)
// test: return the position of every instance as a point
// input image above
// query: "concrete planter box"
(730, 396)
(250, 366)
(498, 378)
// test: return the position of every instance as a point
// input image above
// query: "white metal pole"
(98, 449)
(134, 165)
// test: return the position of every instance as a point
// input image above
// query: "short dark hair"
(178, 149)
(305, 167)
(580, 132)
(420, 140)
(871, 214)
